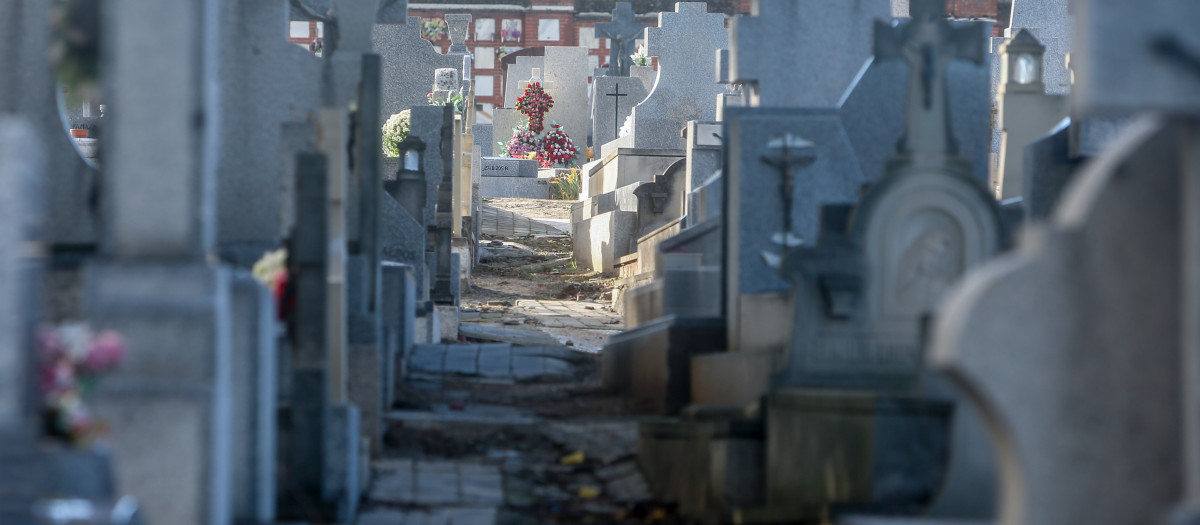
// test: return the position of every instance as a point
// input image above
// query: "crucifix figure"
(620, 34)
(928, 43)
(793, 153)
(616, 94)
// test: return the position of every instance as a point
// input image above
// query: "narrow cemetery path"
(511, 424)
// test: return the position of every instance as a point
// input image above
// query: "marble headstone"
(685, 43)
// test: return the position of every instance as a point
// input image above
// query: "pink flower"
(106, 352)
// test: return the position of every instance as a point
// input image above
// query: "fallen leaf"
(589, 492)
(573, 458)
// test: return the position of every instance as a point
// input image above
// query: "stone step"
(494, 362)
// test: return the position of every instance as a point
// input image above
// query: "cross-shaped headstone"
(685, 42)
(621, 33)
(787, 28)
(928, 43)
(616, 104)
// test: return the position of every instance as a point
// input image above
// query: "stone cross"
(928, 43)
(621, 32)
(616, 104)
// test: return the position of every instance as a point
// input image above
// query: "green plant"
(395, 130)
(574, 264)
(566, 186)
(454, 98)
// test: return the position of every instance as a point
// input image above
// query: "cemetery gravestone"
(685, 42)
(520, 71)
(566, 81)
(613, 102)
(409, 61)
(482, 133)
(274, 86)
(1074, 435)
(802, 53)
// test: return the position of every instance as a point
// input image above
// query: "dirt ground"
(567, 449)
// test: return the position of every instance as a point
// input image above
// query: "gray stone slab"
(790, 32)
(503, 122)
(398, 312)
(484, 139)
(175, 448)
(275, 84)
(613, 102)
(495, 360)
(342, 460)
(515, 187)
(427, 358)
(462, 360)
(402, 240)
(426, 124)
(409, 62)
(519, 336)
(685, 43)
(254, 400)
(508, 167)
(566, 75)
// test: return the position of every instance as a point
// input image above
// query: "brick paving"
(503, 223)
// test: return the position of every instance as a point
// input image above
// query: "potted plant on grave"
(566, 186)
(395, 130)
(455, 98)
(72, 360)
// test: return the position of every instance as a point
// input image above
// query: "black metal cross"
(794, 153)
(616, 105)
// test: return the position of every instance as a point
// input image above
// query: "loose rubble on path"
(512, 424)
